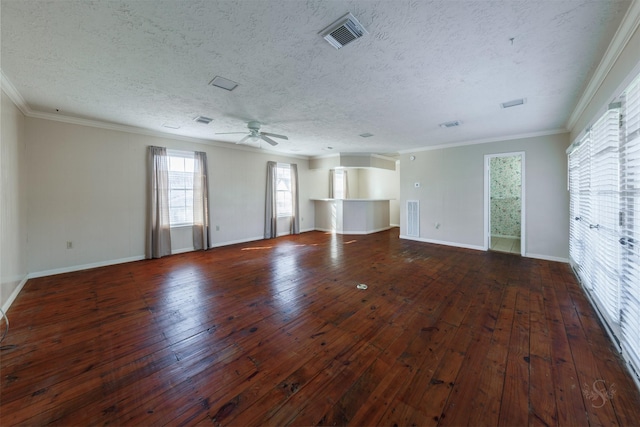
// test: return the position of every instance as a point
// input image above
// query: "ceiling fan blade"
(229, 133)
(268, 140)
(243, 140)
(275, 135)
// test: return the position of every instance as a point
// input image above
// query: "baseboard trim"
(235, 242)
(442, 242)
(183, 250)
(71, 269)
(14, 294)
(358, 233)
(547, 257)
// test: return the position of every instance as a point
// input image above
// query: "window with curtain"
(604, 185)
(284, 197)
(281, 198)
(181, 168)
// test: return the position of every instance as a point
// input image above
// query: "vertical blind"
(604, 233)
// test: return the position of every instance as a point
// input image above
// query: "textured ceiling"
(147, 63)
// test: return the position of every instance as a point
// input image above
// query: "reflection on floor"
(505, 244)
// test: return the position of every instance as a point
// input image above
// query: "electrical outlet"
(69, 244)
(217, 228)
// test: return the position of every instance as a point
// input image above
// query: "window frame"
(185, 155)
(288, 213)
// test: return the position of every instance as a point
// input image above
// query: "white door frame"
(487, 199)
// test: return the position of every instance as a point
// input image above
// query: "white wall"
(87, 185)
(13, 203)
(364, 183)
(377, 183)
(451, 193)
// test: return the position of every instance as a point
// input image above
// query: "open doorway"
(504, 203)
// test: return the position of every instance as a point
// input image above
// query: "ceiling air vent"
(203, 119)
(513, 103)
(450, 124)
(343, 31)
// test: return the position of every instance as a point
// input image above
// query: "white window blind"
(630, 226)
(284, 197)
(604, 226)
(579, 176)
(604, 235)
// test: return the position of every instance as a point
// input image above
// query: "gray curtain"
(295, 210)
(158, 242)
(270, 213)
(332, 178)
(201, 232)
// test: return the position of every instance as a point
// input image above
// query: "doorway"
(504, 203)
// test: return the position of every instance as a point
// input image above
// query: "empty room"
(320, 212)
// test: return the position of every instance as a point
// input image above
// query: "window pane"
(181, 190)
(176, 164)
(283, 190)
(189, 165)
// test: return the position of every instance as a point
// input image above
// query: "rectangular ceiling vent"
(513, 103)
(343, 31)
(452, 124)
(203, 119)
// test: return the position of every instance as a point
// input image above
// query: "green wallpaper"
(506, 180)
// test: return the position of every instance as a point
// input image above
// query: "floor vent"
(413, 218)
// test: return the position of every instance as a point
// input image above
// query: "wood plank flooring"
(275, 333)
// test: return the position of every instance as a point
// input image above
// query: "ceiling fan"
(256, 135)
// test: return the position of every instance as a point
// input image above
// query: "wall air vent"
(343, 31)
(203, 120)
(413, 218)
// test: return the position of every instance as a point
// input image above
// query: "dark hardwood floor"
(275, 333)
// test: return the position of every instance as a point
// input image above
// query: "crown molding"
(19, 101)
(10, 90)
(627, 28)
(486, 141)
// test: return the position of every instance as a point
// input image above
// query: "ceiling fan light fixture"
(513, 103)
(223, 83)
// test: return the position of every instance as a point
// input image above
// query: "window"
(338, 184)
(604, 185)
(181, 166)
(284, 199)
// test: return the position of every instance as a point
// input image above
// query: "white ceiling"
(146, 63)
